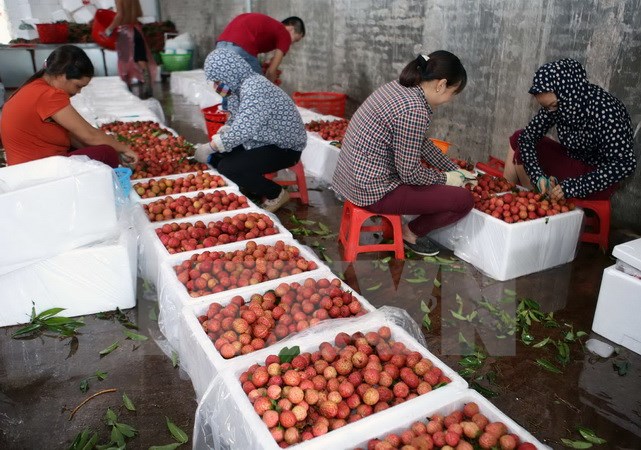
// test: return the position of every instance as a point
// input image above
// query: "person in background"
(595, 139)
(252, 33)
(379, 166)
(134, 58)
(263, 134)
(39, 121)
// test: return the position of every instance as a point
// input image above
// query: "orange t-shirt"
(28, 132)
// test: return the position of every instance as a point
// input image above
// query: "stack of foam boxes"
(619, 305)
(62, 243)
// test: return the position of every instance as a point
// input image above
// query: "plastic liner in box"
(389, 421)
(504, 251)
(225, 418)
(136, 198)
(202, 361)
(173, 296)
(628, 255)
(151, 252)
(53, 205)
(86, 280)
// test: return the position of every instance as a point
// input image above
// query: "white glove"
(470, 177)
(460, 177)
(202, 152)
(223, 129)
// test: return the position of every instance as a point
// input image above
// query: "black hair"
(440, 65)
(66, 60)
(297, 23)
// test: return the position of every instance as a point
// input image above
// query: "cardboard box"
(504, 251)
(54, 205)
(87, 280)
(618, 309)
(198, 356)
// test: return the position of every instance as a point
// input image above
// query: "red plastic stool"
(300, 181)
(600, 223)
(494, 166)
(352, 226)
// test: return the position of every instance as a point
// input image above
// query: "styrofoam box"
(87, 280)
(239, 426)
(618, 309)
(504, 251)
(202, 361)
(389, 421)
(152, 252)
(85, 14)
(71, 5)
(629, 253)
(136, 198)
(173, 295)
(53, 205)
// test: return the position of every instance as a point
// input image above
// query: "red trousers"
(437, 205)
(102, 153)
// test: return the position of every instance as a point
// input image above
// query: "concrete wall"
(354, 46)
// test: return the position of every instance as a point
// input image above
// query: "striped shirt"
(384, 144)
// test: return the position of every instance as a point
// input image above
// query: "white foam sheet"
(152, 252)
(226, 418)
(86, 280)
(390, 421)
(173, 295)
(53, 205)
(504, 251)
(198, 356)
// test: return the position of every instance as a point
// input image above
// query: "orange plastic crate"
(329, 103)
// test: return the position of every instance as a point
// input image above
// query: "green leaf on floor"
(416, 280)
(47, 321)
(542, 343)
(590, 436)
(547, 365)
(375, 287)
(109, 349)
(84, 440)
(128, 403)
(575, 444)
(176, 432)
(174, 359)
(135, 336)
(173, 446)
(621, 367)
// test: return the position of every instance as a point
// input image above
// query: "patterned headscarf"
(227, 67)
(568, 80)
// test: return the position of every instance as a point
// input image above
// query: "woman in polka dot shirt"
(594, 149)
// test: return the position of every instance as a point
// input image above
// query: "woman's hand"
(128, 156)
(556, 193)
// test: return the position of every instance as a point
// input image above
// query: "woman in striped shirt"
(380, 164)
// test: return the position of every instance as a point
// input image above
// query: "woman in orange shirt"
(38, 120)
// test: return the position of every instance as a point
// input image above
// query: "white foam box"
(504, 251)
(71, 5)
(152, 252)
(53, 205)
(198, 356)
(389, 421)
(239, 426)
(173, 295)
(136, 198)
(87, 280)
(618, 309)
(85, 14)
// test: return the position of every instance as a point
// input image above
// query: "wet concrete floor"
(40, 379)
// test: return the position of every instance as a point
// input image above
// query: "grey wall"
(354, 46)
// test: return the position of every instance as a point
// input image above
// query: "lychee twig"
(106, 391)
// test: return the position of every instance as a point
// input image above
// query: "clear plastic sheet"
(203, 361)
(628, 255)
(173, 295)
(86, 280)
(504, 251)
(54, 205)
(225, 417)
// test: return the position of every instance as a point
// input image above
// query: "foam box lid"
(629, 253)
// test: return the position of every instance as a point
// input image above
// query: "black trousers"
(247, 167)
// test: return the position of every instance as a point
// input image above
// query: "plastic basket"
(441, 145)
(214, 119)
(101, 21)
(175, 62)
(124, 178)
(53, 33)
(329, 103)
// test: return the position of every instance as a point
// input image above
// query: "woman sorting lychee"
(594, 151)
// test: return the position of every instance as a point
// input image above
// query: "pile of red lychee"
(166, 186)
(339, 383)
(204, 203)
(521, 206)
(211, 272)
(241, 327)
(182, 237)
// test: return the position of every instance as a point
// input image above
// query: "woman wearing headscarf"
(594, 151)
(264, 133)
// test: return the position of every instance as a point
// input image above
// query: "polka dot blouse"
(592, 124)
